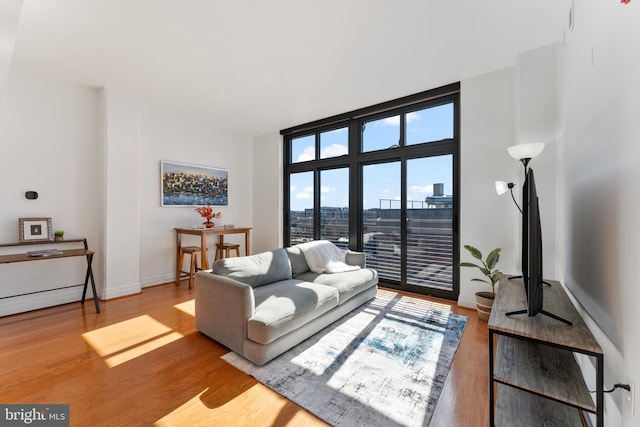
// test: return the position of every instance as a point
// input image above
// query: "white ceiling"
(261, 66)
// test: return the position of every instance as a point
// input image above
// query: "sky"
(173, 167)
(381, 181)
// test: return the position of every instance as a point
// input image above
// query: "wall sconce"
(502, 187)
(526, 152)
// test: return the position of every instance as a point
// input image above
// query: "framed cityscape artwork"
(183, 184)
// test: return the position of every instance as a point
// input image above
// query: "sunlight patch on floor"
(188, 307)
(182, 414)
(214, 407)
(124, 341)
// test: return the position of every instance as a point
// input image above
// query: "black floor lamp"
(524, 153)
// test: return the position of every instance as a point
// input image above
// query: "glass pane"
(301, 207)
(334, 143)
(431, 124)
(303, 149)
(430, 222)
(334, 206)
(381, 134)
(381, 218)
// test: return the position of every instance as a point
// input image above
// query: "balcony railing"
(429, 246)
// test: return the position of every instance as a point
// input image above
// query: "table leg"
(246, 243)
(178, 266)
(218, 253)
(88, 276)
(204, 254)
(491, 383)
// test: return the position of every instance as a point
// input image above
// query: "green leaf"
(473, 251)
(480, 280)
(496, 276)
(493, 258)
(469, 264)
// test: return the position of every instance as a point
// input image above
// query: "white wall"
(599, 210)
(9, 17)
(487, 129)
(169, 135)
(536, 98)
(500, 109)
(49, 143)
(267, 187)
(121, 190)
(94, 157)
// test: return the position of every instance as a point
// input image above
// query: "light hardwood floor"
(141, 362)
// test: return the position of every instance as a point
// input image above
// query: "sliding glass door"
(381, 231)
(429, 213)
(407, 223)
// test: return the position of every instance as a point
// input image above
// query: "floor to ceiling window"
(383, 180)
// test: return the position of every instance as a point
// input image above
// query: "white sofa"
(262, 305)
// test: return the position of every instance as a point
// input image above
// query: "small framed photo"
(35, 229)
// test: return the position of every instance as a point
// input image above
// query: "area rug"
(383, 364)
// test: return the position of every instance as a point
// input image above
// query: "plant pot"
(484, 303)
(209, 224)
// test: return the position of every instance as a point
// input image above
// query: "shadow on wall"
(593, 273)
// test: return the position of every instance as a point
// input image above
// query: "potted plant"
(58, 235)
(484, 300)
(207, 213)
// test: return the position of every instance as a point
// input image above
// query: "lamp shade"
(526, 151)
(501, 187)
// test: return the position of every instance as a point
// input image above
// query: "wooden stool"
(193, 251)
(224, 250)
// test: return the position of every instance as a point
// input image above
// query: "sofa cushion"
(298, 261)
(287, 305)
(324, 256)
(347, 284)
(256, 270)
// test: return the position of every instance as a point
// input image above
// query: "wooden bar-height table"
(203, 233)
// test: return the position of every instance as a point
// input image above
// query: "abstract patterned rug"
(384, 364)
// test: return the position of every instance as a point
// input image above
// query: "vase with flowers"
(208, 214)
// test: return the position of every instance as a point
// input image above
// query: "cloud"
(306, 193)
(334, 150)
(412, 116)
(308, 154)
(392, 121)
(421, 189)
(395, 120)
(324, 189)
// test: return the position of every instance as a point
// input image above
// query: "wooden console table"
(203, 233)
(535, 379)
(63, 253)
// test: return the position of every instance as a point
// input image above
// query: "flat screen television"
(532, 246)
(532, 251)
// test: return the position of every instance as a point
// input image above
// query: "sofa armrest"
(355, 258)
(223, 307)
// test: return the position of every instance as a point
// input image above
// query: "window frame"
(355, 158)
